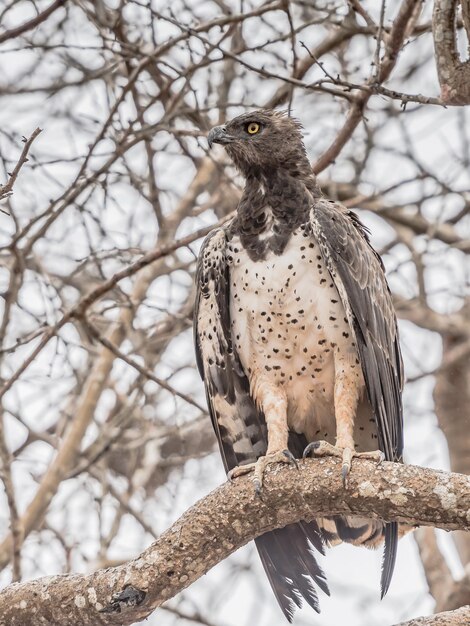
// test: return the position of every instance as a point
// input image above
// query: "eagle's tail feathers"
(370, 533)
(390, 555)
(356, 530)
(287, 557)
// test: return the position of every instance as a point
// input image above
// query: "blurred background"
(104, 435)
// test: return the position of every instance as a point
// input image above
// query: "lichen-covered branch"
(225, 520)
(454, 75)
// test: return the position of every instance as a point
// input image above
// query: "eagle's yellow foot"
(323, 448)
(283, 456)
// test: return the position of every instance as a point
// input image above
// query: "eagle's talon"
(344, 474)
(372, 455)
(283, 456)
(310, 448)
(240, 470)
(346, 454)
(322, 448)
(291, 459)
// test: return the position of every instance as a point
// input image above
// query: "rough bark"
(454, 75)
(452, 399)
(460, 617)
(225, 520)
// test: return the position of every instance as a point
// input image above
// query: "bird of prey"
(297, 343)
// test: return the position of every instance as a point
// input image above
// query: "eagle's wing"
(358, 274)
(286, 553)
(240, 428)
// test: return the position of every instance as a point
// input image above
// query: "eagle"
(297, 343)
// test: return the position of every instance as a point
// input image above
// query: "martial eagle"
(296, 340)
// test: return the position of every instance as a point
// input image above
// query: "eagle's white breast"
(289, 328)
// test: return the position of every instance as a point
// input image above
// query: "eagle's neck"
(273, 205)
(286, 195)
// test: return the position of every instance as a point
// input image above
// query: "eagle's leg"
(348, 385)
(273, 401)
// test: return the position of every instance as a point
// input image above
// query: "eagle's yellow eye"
(252, 128)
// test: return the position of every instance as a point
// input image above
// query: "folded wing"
(358, 273)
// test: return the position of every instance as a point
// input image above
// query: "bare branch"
(399, 31)
(449, 618)
(225, 520)
(32, 23)
(78, 310)
(454, 75)
(7, 189)
(437, 572)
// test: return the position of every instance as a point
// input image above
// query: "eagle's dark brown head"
(263, 141)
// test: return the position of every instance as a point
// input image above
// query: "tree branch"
(454, 75)
(32, 23)
(407, 14)
(78, 310)
(437, 572)
(225, 520)
(449, 618)
(7, 189)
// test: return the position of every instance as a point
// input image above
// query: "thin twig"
(392, 49)
(7, 189)
(145, 371)
(32, 23)
(78, 310)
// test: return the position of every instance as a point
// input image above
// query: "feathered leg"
(348, 383)
(273, 402)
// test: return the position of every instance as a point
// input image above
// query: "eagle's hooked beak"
(219, 135)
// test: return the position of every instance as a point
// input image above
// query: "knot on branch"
(129, 597)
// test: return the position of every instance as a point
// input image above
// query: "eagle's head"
(263, 141)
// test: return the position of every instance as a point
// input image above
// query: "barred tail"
(360, 531)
